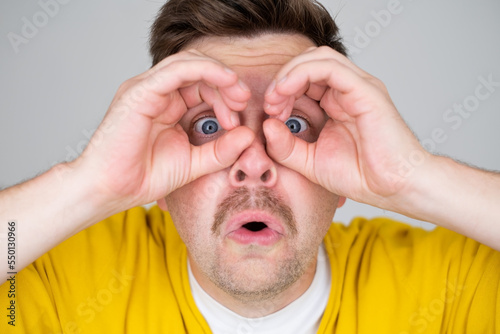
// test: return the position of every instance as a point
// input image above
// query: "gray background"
(57, 85)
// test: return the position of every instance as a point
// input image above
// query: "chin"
(256, 278)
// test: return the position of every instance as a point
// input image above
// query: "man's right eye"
(207, 125)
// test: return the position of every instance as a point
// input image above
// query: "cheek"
(198, 197)
(183, 215)
(192, 207)
(313, 206)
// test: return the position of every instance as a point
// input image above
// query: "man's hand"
(367, 153)
(358, 154)
(138, 154)
(144, 154)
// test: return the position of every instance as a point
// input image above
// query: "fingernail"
(235, 119)
(228, 70)
(244, 86)
(271, 88)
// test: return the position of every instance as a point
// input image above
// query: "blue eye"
(296, 124)
(207, 125)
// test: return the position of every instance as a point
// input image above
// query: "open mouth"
(255, 226)
(255, 232)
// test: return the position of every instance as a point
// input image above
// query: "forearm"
(46, 210)
(457, 197)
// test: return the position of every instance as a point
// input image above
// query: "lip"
(268, 236)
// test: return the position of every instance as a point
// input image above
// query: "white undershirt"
(302, 316)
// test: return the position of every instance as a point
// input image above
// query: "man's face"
(253, 229)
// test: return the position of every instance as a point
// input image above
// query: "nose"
(254, 168)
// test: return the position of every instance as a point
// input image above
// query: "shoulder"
(390, 232)
(120, 238)
(393, 243)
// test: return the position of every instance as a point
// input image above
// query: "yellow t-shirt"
(128, 274)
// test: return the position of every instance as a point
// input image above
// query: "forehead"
(267, 52)
(256, 60)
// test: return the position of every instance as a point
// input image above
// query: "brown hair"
(180, 22)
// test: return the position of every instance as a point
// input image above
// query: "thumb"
(221, 153)
(288, 150)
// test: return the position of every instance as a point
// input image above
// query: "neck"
(256, 307)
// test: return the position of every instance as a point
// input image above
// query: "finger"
(224, 100)
(212, 97)
(151, 95)
(312, 54)
(335, 110)
(221, 153)
(282, 110)
(276, 97)
(185, 55)
(236, 96)
(289, 150)
(223, 105)
(354, 93)
(176, 109)
(316, 91)
(319, 53)
(200, 93)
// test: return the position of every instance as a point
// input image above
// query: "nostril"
(240, 176)
(264, 177)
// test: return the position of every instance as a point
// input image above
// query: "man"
(250, 129)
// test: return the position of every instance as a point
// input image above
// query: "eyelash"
(305, 118)
(208, 114)
(212, 114)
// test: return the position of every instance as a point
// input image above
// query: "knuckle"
(124, 86)
(191, 51)
(325, 49)
(377, 83)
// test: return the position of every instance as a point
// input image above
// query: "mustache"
(257, 199)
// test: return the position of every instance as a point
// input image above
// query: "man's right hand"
(140, 154)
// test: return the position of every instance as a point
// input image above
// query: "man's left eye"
(207, 125)
(296, 124)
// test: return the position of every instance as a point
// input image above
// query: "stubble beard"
(255, 280)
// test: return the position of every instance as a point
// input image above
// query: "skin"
(146, 150)
(248, 278)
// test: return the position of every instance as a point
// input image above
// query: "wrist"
(436, 192)
(455, 196)
(421, 187)
(51, 208)
(81, 193)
